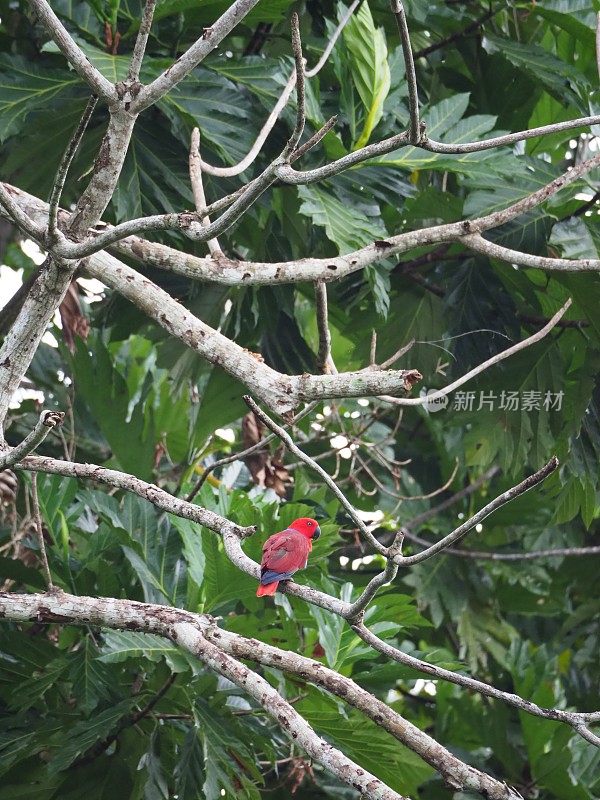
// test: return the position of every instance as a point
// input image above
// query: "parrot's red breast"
(285, 553)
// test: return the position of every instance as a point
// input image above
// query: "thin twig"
(65, 163)
(396, 495)
(250, 157)
(201, 48)
(310, 462)
(531, 555)
(195, 165)
(425, 51)
(128, 722)
(300, 89)
(74, 55)
(227, 200)
(510, 351)
(450, 501)
(314, 139)
(373, 349)
(141, 41)
(458, 533)
(281, 103)
(397, 355)
(357, 609)
(310, 73)
(324, 361)
(37, 518)
(222, 462)
(411, 76)
(575, 719)
(47, 421)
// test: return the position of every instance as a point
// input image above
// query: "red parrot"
(285, 553)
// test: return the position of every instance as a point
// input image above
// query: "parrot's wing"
(285, 552)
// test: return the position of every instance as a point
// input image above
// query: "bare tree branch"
(357, 609)
(222, 462)
(280, 392)
(76, 57)
(126, 615)
(107, 168)
(59, 607)
(507, 138)
(415, 131)
(310, 462)
(575, 719)
(300, 89)
(455, 773)
(48, 421)
(587, 734)
(147, 491)
(311, 73)
(211, 37)
(338, 267)
(251, 155)
(14, 213)
(287, 174)
(281, 103)
(141, 41)
(415, 522)
(529, 555)
(232, 535)
(195, 163)
(24, 336)
(227, 200)
(324, 361)
(493, 250)
(457, 534)
(37, 518)
(294, 726)
(510, 351)
(65, 163)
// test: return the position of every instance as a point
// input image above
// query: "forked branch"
(48, 421)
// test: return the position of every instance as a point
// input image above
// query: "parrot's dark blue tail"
(269, 581)
(270, 575)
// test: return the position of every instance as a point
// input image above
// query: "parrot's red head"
(307, 527)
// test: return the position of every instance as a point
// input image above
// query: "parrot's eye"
(309, 524)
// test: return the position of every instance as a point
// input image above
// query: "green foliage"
(369, 68)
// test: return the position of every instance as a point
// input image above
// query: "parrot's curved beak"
(317, 533)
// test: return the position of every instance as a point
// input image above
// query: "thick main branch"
(220, 649)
